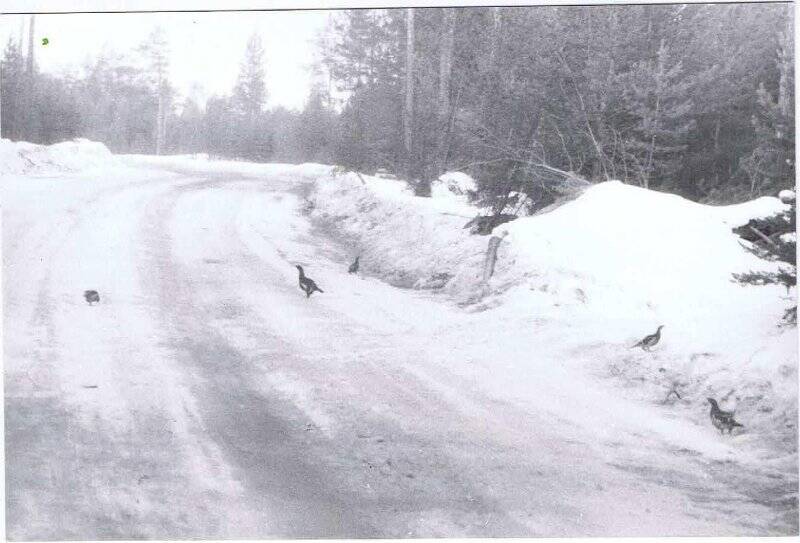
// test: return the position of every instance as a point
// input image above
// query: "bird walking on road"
(354, 266)
(722, 420)
(307, 285)
(91, 296)
(650, 341)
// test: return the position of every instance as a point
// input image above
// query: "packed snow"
(472, 408)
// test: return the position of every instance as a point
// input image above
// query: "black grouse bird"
(307, 285)
(354, 266)
(722, 420)
(91, 296)
(650, 341)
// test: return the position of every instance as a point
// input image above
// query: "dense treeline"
(692, 99)
(128, 103)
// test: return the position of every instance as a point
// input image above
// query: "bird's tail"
(316, 288)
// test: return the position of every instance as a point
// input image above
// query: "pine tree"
(156, 53)
(252, 138)
(250, 92)
(12, 74)
(658, 96)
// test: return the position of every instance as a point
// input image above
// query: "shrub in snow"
(774, 239)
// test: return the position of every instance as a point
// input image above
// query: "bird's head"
(299, 267)
(712, 401)
(660, 326)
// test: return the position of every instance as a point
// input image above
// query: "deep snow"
(458, 408)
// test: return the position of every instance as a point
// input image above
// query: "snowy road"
(206, 397)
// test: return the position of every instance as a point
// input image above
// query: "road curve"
(207, 397)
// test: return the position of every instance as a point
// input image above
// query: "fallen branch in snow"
(761, 235)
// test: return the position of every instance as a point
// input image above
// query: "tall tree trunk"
(490, 85)
(160, 115)
(785, 62)
(31, 62)
(21, 35)
(445, 71)
(30, 122)
(408, 112)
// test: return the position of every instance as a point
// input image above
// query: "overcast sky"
(205, 48)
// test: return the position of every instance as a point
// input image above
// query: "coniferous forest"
(696, 100)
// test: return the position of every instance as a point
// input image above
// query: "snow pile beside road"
(620, 260)
(453, 185)
(23, 158)
(632, 249)
(406, 240)
(201, 164)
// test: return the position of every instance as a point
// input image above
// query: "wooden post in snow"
(491, 256)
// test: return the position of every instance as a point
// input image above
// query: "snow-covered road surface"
(206, 397)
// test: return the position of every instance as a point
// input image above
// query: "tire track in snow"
(126, 453)
(451, 493)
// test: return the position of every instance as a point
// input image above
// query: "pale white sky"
(205, 48)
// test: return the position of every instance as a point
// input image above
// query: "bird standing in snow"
(722, 420)
(91, 296)
(354, 266)
(650, 341)
(307, 285)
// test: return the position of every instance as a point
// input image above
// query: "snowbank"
(406, 240)
(201, 164)
(456, 185)
(611, 266)
(22, 158)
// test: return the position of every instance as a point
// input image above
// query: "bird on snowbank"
(307, 285)
(650, 341)
(722, 420)
(91, 296)
(354, 266)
